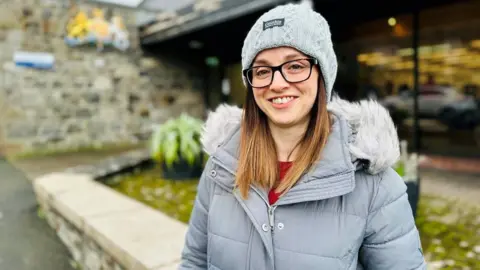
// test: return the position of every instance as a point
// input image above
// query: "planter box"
(413, 191)
(181, 170)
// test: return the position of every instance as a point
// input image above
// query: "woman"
(298, 180)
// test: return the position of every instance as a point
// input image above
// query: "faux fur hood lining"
(372, 140)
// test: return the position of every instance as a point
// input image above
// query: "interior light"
(362, 57)
(212, 61)
(392, 21)
(195, 44)
(405, 52)
(475, 43)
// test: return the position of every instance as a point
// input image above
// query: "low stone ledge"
(104, 229)
(114, 165)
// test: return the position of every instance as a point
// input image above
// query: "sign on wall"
(97, 30)
(37, 60)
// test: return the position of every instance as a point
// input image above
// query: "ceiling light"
(195, 44)
(392, 21)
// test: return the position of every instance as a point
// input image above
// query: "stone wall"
(85, 251)
(90, 98)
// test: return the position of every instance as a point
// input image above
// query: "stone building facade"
(90, 97)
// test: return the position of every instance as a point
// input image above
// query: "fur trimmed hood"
(372, 137)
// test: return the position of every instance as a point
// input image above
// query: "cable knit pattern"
(303, 29)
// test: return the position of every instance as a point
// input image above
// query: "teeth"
(282, 100)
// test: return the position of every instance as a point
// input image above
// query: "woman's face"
(285, 103)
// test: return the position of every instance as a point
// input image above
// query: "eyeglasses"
(294, 71)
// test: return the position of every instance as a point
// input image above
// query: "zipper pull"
(271, 219)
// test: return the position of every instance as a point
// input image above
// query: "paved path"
(451, 164)
(26, 241)
(464, 187)
(456, 178)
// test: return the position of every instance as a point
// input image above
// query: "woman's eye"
(295, 66)
(262, 72)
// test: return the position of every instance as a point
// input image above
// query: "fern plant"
(177, 139)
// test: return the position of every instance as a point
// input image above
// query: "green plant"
(399, 167)
(177, 139)
(40, 213)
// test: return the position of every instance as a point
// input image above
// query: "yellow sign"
(97, 30)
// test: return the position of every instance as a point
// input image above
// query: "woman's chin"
(282, 121)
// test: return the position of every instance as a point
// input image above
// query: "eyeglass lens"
(292, 71)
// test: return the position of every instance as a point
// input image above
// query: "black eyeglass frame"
(312, 61)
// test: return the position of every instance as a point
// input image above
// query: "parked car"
(460, 119)
(440, 102)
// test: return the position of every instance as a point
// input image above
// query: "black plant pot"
(181, 170)
(413, 192)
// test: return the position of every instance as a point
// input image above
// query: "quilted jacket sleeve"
(194, 254)
(391, 240)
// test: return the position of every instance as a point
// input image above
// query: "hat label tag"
(273, 23)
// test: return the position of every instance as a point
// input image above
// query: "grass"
(450, 232)
(174, 198)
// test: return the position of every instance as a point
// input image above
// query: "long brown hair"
(258, 161)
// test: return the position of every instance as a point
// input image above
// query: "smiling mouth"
(282, 100)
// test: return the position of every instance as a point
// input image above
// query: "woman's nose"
(278, 82)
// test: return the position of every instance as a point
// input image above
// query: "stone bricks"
(90, 98)
(20, 130)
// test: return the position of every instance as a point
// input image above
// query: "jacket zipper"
(267, 245)
(271, 216)
(271, 209)
(249, 250)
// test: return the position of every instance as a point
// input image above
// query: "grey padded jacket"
(349, 212)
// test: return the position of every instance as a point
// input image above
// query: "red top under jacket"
(283, 167)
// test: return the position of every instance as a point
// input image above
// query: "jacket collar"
(363, 137)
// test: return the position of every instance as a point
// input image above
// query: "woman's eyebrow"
(293, 56)
(260, 62)
(286, 58)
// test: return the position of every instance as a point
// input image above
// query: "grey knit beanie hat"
(297, 26)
